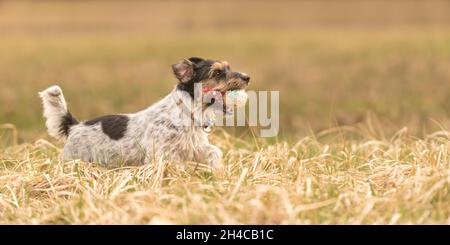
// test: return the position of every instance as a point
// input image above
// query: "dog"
(155, 133)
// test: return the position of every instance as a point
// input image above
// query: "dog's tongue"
(225, 108)
(207, 90)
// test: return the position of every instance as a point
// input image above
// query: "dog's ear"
(195, 60)
(183, 70)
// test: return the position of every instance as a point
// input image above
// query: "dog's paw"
(215, 157)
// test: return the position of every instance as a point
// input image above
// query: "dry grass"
(340, 176)
(331, 61)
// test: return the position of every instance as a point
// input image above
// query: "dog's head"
(212, 75)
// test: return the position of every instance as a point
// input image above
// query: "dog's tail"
(59, 120)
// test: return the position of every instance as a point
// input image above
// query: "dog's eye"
(218, 73)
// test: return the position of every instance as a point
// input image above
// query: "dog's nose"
(245, 78)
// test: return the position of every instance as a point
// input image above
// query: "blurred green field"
(333, 62)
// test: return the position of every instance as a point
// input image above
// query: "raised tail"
(59, 120)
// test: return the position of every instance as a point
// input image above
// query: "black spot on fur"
(114, 126)
(67, 121)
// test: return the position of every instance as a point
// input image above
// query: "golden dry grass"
(340, 176)
(334, 63)
(331, 62)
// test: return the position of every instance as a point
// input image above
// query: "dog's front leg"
(213, 156)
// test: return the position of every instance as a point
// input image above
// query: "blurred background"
(334, 62)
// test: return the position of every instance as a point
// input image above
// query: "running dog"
(158, 132)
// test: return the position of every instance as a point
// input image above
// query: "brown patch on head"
(235, 82)
(222, 66)
(220, 78)
(213, 84)
(213, 81)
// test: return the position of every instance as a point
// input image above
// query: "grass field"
(364, 96)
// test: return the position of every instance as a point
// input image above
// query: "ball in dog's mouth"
(234, 98)
(226, 100)
(238, 97)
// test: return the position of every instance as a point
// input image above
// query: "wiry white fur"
(55, 108)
